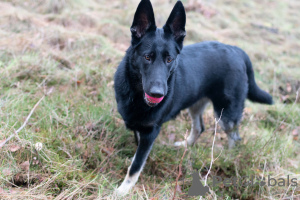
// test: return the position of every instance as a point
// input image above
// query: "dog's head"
(156, 49)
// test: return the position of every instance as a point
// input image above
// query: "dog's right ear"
(143, 21)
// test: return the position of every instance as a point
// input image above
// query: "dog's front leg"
(146, 141)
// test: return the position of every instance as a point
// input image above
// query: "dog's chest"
(136, 115)
(141, 118)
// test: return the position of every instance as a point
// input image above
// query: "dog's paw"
(121, 191)
(124, 188)
(179, 143)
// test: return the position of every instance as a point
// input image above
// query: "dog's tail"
(255, 94)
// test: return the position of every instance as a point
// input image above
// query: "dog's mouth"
(152, 101)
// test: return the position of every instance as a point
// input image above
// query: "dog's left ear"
(176, 23)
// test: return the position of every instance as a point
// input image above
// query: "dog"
(158, 78)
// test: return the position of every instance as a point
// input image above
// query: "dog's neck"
(134, 75)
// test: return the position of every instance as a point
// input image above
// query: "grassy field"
(75, 145)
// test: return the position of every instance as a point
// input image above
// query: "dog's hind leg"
(230, 115)
(146, 141)
(232, 131)
(195, 112)
(229, 105)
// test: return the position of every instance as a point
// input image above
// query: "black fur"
(220, 72)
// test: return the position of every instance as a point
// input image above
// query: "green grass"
(73, 48)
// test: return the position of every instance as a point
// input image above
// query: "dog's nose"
(156, 92)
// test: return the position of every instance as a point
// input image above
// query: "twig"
(180, 165)
(145, 192)
(212, 148)
(284, 195)
(212, 151)
(293, 192)
(64, 150)
(24, 124)
(297, 96)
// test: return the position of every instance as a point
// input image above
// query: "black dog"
(158, 77)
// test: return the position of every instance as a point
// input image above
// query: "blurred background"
(75, 145)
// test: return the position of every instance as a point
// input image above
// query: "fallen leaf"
(25, 165)
(14, 148)
(296, 131)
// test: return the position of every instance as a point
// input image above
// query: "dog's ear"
(143, 20)
(176, 23)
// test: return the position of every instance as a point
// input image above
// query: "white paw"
(122, 191)
(179, 143)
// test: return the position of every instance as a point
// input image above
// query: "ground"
(75, 145)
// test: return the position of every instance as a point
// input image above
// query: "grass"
(73, 48)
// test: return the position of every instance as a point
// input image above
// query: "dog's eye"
(147, 57)
(169, 59)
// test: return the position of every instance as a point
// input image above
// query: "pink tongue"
(153, 99)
